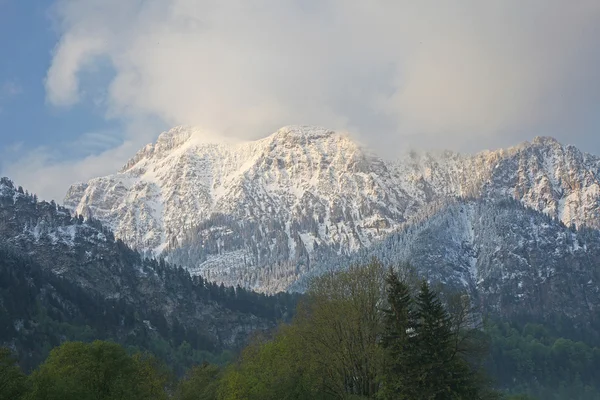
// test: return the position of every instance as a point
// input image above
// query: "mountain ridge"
(304, 193)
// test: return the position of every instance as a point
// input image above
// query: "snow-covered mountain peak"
(176, 142)
(303, 132)
(303, 137)
(6, 184)
(306, 190)
(546, 141)
(174, 184)
(541, 146)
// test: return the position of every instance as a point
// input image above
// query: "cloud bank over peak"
(451, 71)
(463, 75)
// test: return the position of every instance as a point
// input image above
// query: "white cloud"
(72, 54)
(42, 170)
(49, 172)
(461, 74)
(451, 70)
(95, 142)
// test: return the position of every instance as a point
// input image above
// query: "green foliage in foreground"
(342, 346)
(358, 334)
(13, 382)
(200, 383)
(98, 370)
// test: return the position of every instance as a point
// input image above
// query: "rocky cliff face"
(262, 214)
(297, 176)
(545, 175)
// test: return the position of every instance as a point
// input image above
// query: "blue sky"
(85, 83)
(27, 121)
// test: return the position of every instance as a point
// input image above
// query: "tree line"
(361, 333)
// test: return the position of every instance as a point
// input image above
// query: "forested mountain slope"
(517, 262)
(64, 277)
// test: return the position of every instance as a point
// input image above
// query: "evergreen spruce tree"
(397, 377)
(442, 373)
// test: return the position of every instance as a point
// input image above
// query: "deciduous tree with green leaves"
(200, 383)
(96, 371)
(13, 382)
